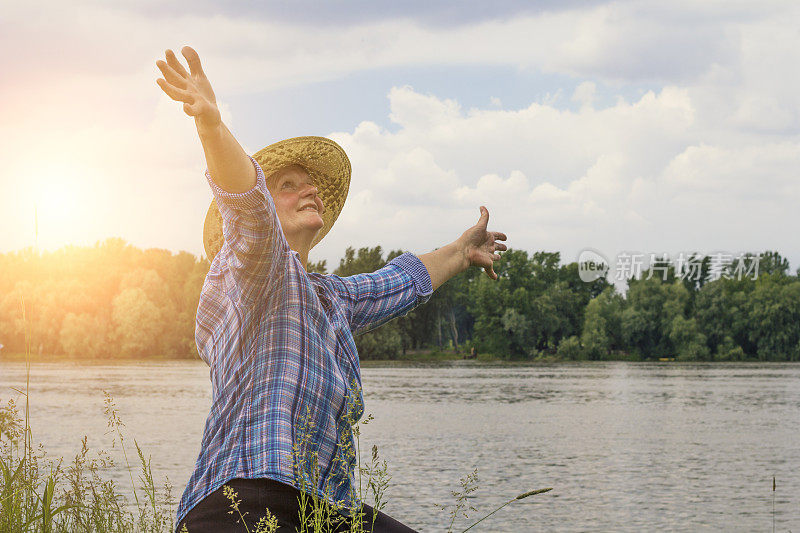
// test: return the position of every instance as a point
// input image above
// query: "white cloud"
(642, 175)
(616, 41)
(585, 93)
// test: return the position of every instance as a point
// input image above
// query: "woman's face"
(296, 202)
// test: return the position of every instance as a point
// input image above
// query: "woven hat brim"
(326, 163)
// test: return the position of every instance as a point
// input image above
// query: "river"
(625, 446)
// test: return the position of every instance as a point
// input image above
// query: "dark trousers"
(212, 514)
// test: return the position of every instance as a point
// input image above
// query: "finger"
(193, 59)
(175, 64)
(499, 236)
(179, 95)
(490, 272)
(486, 259)
(191, 110)
(170, 75)
(484, 220)
(500, 246)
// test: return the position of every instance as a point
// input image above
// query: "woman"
(279, 341)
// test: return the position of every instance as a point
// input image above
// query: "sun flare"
(60, 212)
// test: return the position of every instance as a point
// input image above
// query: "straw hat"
(325, 162)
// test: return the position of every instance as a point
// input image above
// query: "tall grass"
(38, 494)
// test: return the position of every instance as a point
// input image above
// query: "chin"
(315, 225)
(318, 222)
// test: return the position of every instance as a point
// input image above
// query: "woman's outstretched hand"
(475, 247)
(480, 246)
(229, 166)
(192, 88)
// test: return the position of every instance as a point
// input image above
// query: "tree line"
(115, 300)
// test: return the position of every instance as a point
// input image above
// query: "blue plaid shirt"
(285, 375)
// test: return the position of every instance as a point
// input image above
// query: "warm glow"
(60, 206)
(56, 203)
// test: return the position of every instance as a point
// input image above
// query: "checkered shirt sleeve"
(394, 290)
(254, 242)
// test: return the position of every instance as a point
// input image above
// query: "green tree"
(534, 304)
(772, 263)
(381, 343)
(320, 267)
(774, 318)
(489, 302)
(657, 321)
(642, 320)
(722, 313)
(84, 335)
(137, 322)
(595, 337)
(570, 348)
(689, 343)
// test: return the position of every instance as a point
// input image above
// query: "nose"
(310, 190)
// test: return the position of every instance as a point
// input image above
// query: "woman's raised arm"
(228, 164)
(253, 243)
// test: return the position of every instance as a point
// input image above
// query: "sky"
(644, 127)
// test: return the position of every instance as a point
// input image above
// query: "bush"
(570, 348)
(728, 350)
(382, 343)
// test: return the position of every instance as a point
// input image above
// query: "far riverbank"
(411, 356)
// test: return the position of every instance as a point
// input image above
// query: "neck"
(302, 245)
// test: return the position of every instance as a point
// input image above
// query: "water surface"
(626, 446)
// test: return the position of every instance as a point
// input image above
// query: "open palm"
(480, 245)
(192, 88)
